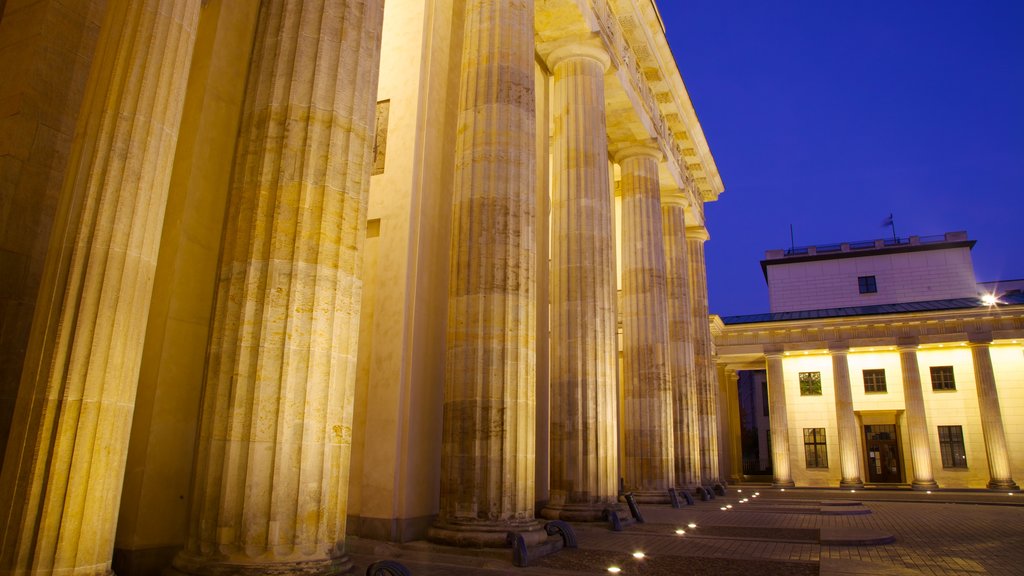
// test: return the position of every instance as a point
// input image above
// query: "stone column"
(489, 437)
(584, 347)
(849, 457)
(65, 458)
(917, 422)
(704, 364)
(779, 422)
(681, 340)
(991, 415)
(270, 487)
(649, 467)
(731, 447)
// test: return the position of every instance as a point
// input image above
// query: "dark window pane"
(874, 381)
(942, 378)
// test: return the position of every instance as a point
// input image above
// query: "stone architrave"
(1000, 477)
(704, 365)
(584, 356)
(778, 421)
(684, 379)
(65, 458)
(849, 457)
(489, 435)
(917, 420)
(270, 488)
(649, 441)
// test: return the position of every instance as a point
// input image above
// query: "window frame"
(809, 390)
(867, 284)
(816, 449)
(879, 387)
(951, 446)
(941, 384)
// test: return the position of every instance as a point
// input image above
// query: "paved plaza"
(792, 532)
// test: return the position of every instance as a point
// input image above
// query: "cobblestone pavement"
(967, 533)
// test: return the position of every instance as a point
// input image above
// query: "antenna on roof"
(792, 242)
(889, 222)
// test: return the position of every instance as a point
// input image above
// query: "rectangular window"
(951, 444)
(867, 284)
(815, 450)
(942, 378)
(810, 383)
(874, 381)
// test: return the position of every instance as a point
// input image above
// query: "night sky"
(831, 115)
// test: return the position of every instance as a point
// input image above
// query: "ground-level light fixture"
(638, 555)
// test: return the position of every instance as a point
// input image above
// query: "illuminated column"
(991, 415)
(778, 420)
(680, 318)
(704, 364)
(917, 422)
(270, 488)
(731, 446)
(584, 354)
(649, 466)
(488, 444)
(65, 459)
(849, 457)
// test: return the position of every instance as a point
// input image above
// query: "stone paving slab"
(980, 533)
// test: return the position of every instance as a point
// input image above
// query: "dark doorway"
(884, 464)
(754, 431)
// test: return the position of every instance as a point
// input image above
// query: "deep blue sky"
(830, 115)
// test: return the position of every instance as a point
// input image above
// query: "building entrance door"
(884, 464)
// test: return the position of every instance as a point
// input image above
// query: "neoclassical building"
(881, 363)
(276, 272)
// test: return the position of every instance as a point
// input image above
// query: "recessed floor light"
(638, 555)
(614, 569)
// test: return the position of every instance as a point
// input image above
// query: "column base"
(782, 484)
(187, 565)
(485, 534)
(924, 485)
(589, 512)
(650, 496)
(851, 484)
(1007, 484)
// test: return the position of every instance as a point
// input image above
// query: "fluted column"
(270, 488)
(1000, 477)
(489, 436)
(65, 459)
(649, 467)
(681, 340)
(584, 352)
(779, 422)
(849, 458)
(917, 420)
(704, 365)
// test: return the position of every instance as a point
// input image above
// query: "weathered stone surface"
(270, 489)
(65, 458)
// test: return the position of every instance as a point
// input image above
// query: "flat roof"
(1011, 299)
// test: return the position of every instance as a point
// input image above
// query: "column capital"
(907, 343)
(774, 351)
(647, 149)
(584, 49)
(838, 347)
(674, 197)
(975, 339)
(697, 233)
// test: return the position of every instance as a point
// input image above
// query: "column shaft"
(584, 431)
(779, 422)
(917, 421)
(649, 466)
(66, 454)
(271, 480)
(704, 365)
(1000, 477)
(849, 458)
(681, 339)
(489, 436)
